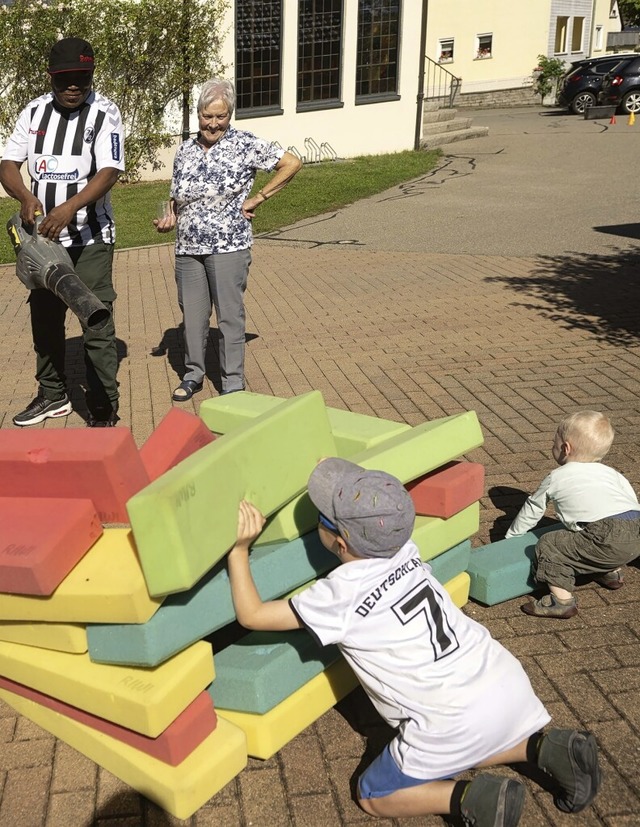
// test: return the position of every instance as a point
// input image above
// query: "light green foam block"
(186, 520)
(407, 455)
(353, 432)
(144, 700)
(106, 586)
(63, 637)
(434, 535)
(181, 789)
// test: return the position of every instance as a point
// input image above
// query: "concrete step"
(438, 115)
(443, 138)
(446, 126)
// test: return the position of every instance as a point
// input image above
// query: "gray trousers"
(218, 280)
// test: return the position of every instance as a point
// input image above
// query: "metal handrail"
(440, 83)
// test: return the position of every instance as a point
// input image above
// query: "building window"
(576, 34)
(258, 54)
(599, 39)
(561, 35)
(445, 50)
(377, 60)
(484, 46)
(319, 52)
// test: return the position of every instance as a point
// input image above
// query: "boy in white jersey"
(457, 697)
(598, 508)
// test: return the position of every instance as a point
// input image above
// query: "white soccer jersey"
(64, 149)
(456, 695)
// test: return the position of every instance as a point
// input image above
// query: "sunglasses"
(324, 521)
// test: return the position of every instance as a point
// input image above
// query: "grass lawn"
(317, 188)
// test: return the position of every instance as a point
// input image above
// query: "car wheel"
(631, 102)
(582, 102)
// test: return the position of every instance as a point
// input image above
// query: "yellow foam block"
(64, 637)
(144, 700)
(268, 733)
(106, 586)
(180, 790)
(433, 535)
(458, 588)
(186, 520)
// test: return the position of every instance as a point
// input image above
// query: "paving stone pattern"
(404, 336)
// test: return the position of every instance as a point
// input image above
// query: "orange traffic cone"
(613, 118)
(632, 119)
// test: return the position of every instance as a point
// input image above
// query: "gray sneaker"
(40, 409)
(492, 801)
(570, 757)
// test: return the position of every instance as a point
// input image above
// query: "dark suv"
(621, 87)
(580, 85)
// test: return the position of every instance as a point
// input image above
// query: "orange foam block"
(41, 540)
(179, 435)
(100, 464)
(172, 746)
(447, 490)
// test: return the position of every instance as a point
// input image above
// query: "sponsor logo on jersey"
(89, 135)
(115, 146)
(37, 131)
(45, 169)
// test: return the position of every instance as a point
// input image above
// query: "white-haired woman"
(213, 174)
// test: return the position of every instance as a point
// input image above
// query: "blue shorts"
(383, 777)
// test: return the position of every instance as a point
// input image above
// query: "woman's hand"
(166, 224)
(250, 524)
(249, 206)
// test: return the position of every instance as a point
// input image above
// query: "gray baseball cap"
(372, 510)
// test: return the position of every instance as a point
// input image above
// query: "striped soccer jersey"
(64, 149)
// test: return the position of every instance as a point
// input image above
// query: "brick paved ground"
(406, 336)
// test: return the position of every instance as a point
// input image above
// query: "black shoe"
(103, 418)
(186, 389)
(41, 408)
(570, 757)
(492, 801)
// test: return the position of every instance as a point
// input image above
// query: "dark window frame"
(258, 58)
(378, 51)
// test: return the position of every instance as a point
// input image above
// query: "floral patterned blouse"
(209, 189)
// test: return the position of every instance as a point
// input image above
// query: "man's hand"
(56, 220)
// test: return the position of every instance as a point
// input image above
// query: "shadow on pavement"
(596, 293)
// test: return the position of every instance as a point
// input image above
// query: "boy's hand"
(250, 524)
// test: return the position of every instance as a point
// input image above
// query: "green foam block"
(185, 521)
(503, 570)
(353, 432)
(407, 454)
(433, 535)
(186, 617)
(264, 668)
(451, 562)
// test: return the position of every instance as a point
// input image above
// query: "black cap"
(72, 54)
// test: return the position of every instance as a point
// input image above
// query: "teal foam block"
(407, 454)
(189, 616)
(503, 570)
(452, 562)
(264, 668)
(186, 520)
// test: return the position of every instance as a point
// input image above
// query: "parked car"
(580, 85)
(621, 86)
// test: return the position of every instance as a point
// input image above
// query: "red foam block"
(41, 540)
(172, 746)
(100, 464)
(179, 435)
(449, 489)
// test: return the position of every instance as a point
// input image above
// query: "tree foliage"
(629, 12)
(546, 75)
(147, 53)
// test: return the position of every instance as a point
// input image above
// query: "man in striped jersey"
(72, 140)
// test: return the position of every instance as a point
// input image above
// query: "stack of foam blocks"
(112, 577)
